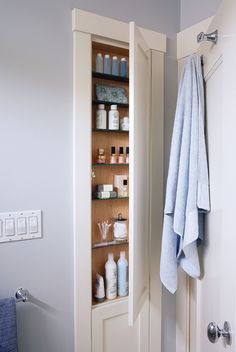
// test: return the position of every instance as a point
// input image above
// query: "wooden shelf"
(109, 244)
(108, 103)
(108, 131)
(117, 198)
(110, 77)
(108, 301)
(117, 164)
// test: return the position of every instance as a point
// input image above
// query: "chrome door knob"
(214, 333)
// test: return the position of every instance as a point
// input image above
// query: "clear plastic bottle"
(113, 118)
(107, 64)
(123, 67)
(114, 69)
(99, 63)
(122, 267)
(111, 277)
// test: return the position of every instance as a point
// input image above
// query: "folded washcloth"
(8, 334)
(187, 193)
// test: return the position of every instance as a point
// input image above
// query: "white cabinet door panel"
(139, 172)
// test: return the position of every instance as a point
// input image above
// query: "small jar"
(101, 156)
(99, 63)
(120, 228)
(113, 118)
(114, 68)
(101, 117)
(121, 158)
(124, 123)
(123, 67)
(127, 155)
(107, 64)
(113, 159)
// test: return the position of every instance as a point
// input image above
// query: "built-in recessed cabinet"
(110, 163)
(112, 186)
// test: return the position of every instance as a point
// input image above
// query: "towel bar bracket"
(209, 37)
(22, 295)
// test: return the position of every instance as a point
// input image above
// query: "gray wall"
(36, 151)
(193, 11)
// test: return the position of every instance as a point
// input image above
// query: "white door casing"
(139, 172)
(213, 296)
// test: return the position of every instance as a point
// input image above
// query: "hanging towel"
(8, 335)
(187, 192)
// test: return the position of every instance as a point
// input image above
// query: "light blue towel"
(8, 335)
(187, 192)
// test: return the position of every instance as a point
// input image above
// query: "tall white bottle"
(122, 267)
(111, 277)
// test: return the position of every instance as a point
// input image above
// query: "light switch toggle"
(21, 226)
(9, 227)
(33, 224)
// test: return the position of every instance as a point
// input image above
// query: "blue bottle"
(99, 63)
(114, 69)
(123, 67)
(107, 64)
(122, 269)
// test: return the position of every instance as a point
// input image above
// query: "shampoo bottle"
(122, 266)
(111, 277)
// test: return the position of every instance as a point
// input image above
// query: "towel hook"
(22, 295)
(208, 37)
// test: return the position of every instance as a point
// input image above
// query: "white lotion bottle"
(113, 118)
(122, 267)
(111, 277)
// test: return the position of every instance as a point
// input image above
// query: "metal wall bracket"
(210, 37)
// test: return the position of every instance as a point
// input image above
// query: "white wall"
(193, 11)
(36, 152)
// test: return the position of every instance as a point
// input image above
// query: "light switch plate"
(20, 225)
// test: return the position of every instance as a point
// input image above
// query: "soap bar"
(105, 195)
(104, 188)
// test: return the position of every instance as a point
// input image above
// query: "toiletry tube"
(99, 289)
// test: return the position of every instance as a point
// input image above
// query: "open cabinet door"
(139, 72)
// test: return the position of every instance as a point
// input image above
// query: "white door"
(214, 295)
(139, 173)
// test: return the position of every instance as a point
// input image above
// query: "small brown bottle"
(121, 159)
(113, 159)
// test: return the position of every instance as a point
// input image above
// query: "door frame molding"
(88, 22)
